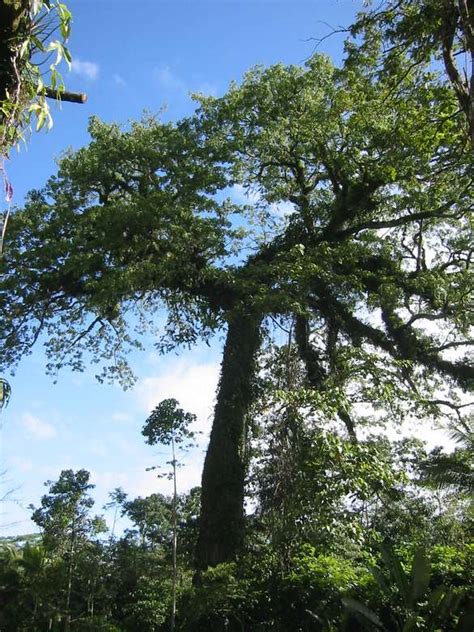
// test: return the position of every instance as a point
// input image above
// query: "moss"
(222, 518)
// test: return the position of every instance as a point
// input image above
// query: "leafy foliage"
(411, 605)
(454, 469)
(369, 273)
(167, 422)
(137, 220)
(428, 30)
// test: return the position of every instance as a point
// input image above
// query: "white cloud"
(99, 450)
(172, 84)
(108, 480)
(87, 69)
(38, 428)
(121, 417)
(241, 195)
(119, 80)
(282, 209)
(193, 385)
(22, 464)
(169, 80)
(187, 476)
(138, 482)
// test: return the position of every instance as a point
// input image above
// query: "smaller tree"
(169, 425)
(117, 499)
(67, 526)
(152, 517)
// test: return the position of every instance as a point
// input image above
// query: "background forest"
(341, 283)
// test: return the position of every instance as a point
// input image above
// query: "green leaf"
(25, 47)
(420, 575)
(466, 620)
(66, 18)
(58, 47)
(398, 574)
(440, 605)
(39, 86)
(380, 579)
(356, 606)
(5, 393)
(67, 56)
(36, 6)
(410, 624)
(40, 119)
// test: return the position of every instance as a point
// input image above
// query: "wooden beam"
(63, 95)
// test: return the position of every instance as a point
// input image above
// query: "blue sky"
(128, 57)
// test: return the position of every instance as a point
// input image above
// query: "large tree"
(374, 173)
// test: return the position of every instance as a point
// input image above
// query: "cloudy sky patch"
(86, 69)
(169, 80)
(37, 427)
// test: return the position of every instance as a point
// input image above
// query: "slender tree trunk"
(175, 535)
(223, 478)
(112, 533)
(67, 624)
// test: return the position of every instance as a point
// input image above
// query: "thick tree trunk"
(222, 513)
(13, 16)
(7, 75)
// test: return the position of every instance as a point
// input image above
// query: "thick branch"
(64, 95)
(393, 223)
(402, 342)
(411, 346)
(316, 374)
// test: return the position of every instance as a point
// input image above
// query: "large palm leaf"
(455, 469)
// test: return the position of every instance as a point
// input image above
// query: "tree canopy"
(439, 31)
(370, 261)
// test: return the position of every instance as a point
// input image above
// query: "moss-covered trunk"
(222, 513)
(12, 17)
(7, 18)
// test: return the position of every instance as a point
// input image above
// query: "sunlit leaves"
(168, 423)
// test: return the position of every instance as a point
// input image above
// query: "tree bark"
(222, 513)
(175, 535)
(65, 95)
(8, 26)
(316, 374)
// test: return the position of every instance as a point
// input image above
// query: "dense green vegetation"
(356, 243)
(342, 536)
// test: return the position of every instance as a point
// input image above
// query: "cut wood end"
(70, 97)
